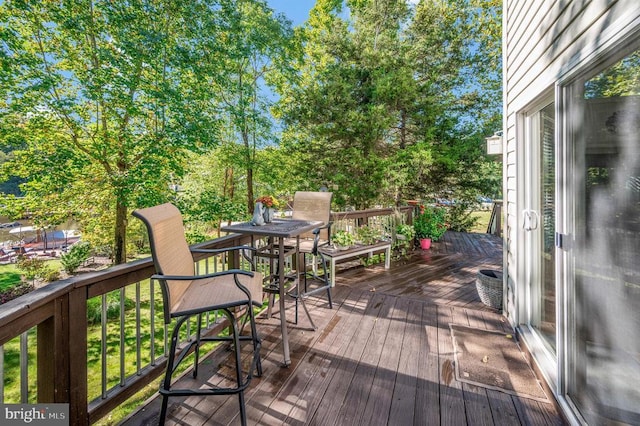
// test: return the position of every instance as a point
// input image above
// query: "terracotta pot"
(425, 243)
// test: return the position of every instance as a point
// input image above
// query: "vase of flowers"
(269, 203)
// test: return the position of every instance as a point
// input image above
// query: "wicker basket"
(489, 286)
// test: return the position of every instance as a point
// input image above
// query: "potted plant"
(429, 226)
(343, 240)
(405, 232)
(368, 235)
(403, 241)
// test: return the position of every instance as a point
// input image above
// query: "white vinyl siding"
(543, 42)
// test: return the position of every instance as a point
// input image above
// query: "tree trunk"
(120, 234)
(250, 197)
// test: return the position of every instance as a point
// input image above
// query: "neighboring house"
(571, 153)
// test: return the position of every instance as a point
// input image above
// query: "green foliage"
(620, 79)
(51, 275)
(368, 235)
(105, 106)
(75, 257)
(430, 223)
(460, 216)
(212, 192)
(381, 112)
(343, 238)
(94, 307)
(402, 241)
(32, 267)
(407, 231)
(194, 237)
(381, 104)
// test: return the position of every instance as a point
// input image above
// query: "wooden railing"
(58, 314)
(495, 221)
(378, 218)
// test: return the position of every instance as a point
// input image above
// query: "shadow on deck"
(382, 356)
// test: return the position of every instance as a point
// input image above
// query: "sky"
(296, 10)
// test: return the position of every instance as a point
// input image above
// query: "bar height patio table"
(278, 230)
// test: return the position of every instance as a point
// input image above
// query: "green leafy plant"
(51, 275)
(403, 239)
(343, 239)
(33, 268)
(77, 255)
(406, 231)
(460, 217)
(431, 223)
(94, 307)
(368, 235)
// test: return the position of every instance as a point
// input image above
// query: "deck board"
(382, 356)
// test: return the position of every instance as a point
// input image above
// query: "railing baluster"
(122, 336)
(24, 368)
(152, 308)
(1, 374)
(138, 339)
(207, 317)
(103, 344)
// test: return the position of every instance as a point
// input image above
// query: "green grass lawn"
(8, 278)
(483, 220)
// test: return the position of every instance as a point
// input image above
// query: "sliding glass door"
(539, 224)
(603, 247)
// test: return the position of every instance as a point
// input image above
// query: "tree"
(257, 48)
(383, 103)
(341, 111)
(205, 198)
(106, 101)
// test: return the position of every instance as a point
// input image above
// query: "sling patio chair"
(312, 206)
(186, 295)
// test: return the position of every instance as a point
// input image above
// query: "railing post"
(53, 354)
(77, 347)
(62, 355)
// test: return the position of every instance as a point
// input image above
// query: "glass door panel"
(604, 343)
(544, 314)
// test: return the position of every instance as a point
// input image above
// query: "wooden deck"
(382, 356)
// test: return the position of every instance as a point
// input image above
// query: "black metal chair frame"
(183, 315)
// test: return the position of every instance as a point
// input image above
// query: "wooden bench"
(334, 255)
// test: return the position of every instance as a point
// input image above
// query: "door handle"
(530, 219)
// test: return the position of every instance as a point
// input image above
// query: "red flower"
(267, 201)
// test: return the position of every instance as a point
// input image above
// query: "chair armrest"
(242, 249)
(201, 277)
(222, 250)
(316, 238)
(326, 226)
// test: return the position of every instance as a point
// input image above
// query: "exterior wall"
(548, 45)
(544, 42)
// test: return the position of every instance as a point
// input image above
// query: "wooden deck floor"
(382, 356)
